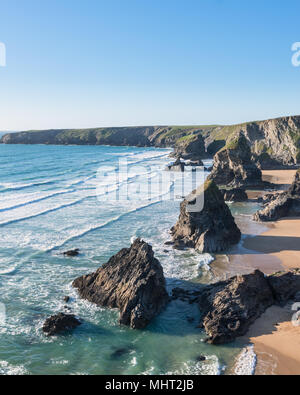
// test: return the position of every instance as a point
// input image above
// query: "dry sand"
(276, 340)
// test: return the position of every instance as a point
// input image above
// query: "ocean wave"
(246, 362)
(16, 187)
(47, 211)
(37, 200)
(12, 370)
(91, 228)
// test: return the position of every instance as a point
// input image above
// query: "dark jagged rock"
(201, 358)
(234, 195)
(215, 146)
(60, 323)
(132, 281)
(72, 253)
(233, 166)
(67, 299)
(285, 285)
(191, 147)
(176, 166)
(211, 230)
(285, 204)
(229, 307)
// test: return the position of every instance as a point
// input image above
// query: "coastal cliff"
(274, 142)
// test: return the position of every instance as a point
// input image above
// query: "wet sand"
(276, 340)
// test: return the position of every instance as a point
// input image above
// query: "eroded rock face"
(285, 285)
(60, 323)
(211, 230)
(233, 166)
(234, 195)
(190, 148)
(285, 204)
(229, 307)
(132, 281)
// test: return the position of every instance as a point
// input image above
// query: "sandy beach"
(276, 340)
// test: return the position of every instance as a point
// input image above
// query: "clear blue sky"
(90, 63)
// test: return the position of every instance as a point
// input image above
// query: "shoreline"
(276, 341)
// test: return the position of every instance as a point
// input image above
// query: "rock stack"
(212, 229)
(132, 281)
(234, 167)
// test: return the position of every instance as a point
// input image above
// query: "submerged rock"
(211, 230)
(132, 281)
(234, 195)
(59, 323)
(285, 204)
(233, 166)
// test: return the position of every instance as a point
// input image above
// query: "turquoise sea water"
(48, 204)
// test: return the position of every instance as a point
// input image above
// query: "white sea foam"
(205, 261)
(246, 362)
(11, 370)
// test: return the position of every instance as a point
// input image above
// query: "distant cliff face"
(273, 142)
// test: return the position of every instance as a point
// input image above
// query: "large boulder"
(234, 167)
(211, 230)
(229, 307)
(132, 281)
(285, 204)
(60, 323)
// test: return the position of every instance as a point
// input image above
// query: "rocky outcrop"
(191, 147)
(285, 285)
(132, 281)
(178, 165)
(285, 204)
(233, 166)
(60, 323)
(229, 308)
(211, 229)
(234, 195)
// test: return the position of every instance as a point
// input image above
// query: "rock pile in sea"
(131, 281)
(60, 323)
(209, 228)
(234, 167)
(285, 204)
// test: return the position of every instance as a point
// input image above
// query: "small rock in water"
(201, 358)
(169, 243)
(72, 252)
(67, 299)
(190, 319)
(59, 323)
(120, 352)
